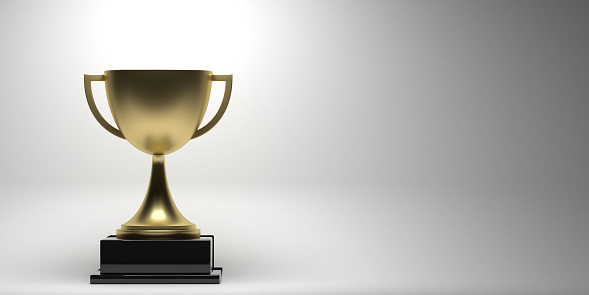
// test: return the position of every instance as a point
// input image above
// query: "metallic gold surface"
(158, 217)
(158, 111)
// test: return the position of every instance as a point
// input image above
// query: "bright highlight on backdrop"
(172, 35)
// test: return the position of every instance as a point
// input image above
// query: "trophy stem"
(158, 217)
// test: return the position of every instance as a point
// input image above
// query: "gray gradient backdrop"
(398, 147)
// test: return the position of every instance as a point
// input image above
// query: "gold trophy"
(158, 112)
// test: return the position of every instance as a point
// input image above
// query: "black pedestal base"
(157, 262)
(213, 278)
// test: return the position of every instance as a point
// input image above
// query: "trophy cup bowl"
(158, 112)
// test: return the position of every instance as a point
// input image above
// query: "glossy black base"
(157, 262)
(156, 256)
(213, 278)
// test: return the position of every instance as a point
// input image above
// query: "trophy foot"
(127, 232)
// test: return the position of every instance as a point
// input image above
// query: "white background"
(405, 147)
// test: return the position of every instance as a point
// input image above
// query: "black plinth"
(213, 278)
(157, 262)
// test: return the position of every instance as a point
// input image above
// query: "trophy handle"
(228, 84)
(88, 87)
